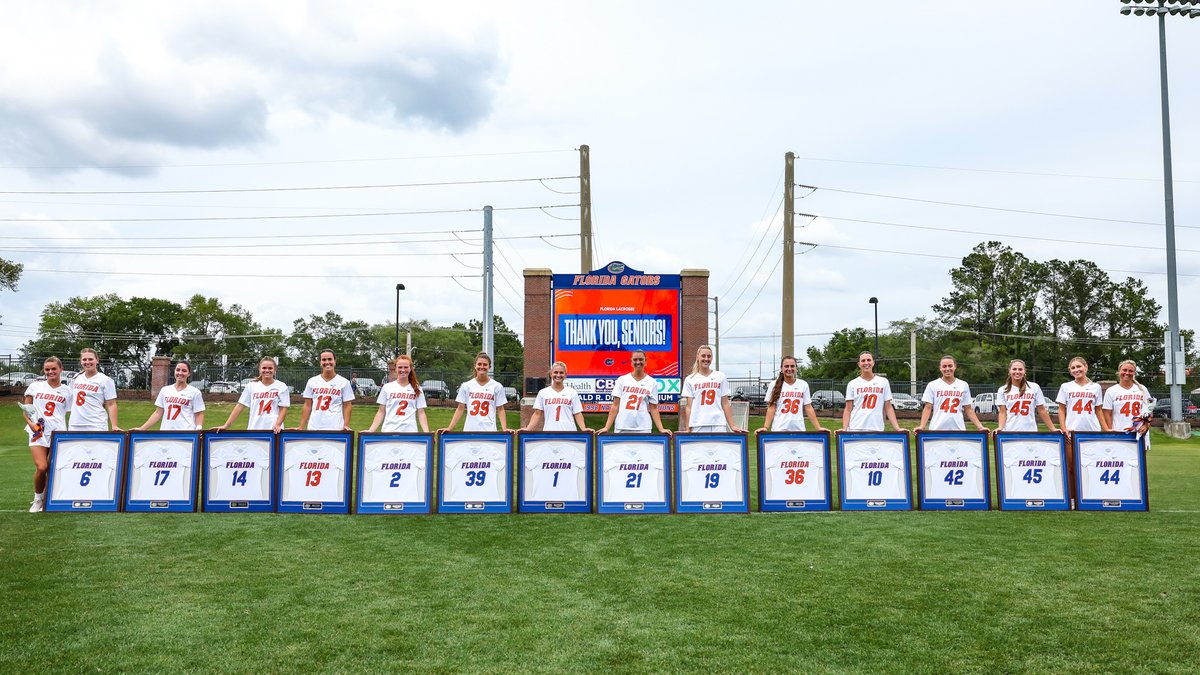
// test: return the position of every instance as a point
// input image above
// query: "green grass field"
(893, 592)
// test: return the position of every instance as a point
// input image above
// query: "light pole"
(399, 287)
(875, 301)
(717, 336)
(1174, 349)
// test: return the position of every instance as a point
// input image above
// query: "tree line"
(1004, 305)
(128, 332)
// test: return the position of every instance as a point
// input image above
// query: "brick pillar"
(538, 332)
(693, 316)
(160, 374)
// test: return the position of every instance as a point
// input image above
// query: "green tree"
(10, 274)
(838, 359)
(208, 331)
(350, 340)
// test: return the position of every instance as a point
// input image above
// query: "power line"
(456, 238)
(749, 278)
(766, 280)
(263, 254)
(286, 162)
(993, 208)
(993, 235)
(1000, 171)
(254, 276)
(311, 188)
(302, 216)
(766, 209)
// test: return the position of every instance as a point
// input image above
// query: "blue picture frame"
(954, 476)
(803, 468)
(109, 449)
(162, 474)
(445, 475)
(1010, 498)
(611, 442)
(736, 442)
(1081, 440)
(422, 443)
(252, 441)
(525, 503)
(337, 444)
(855, 503)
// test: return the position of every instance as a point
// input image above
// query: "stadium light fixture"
(1174, 347)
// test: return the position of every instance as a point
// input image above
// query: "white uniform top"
(395, 472)
(1020, 408)
(314, 471)
(789, 409)
(328, 398)
(86, 471)
(238, 471)
(1125, 405)
(705, 394)
(88, 397)
(948, 401)
(52, 404)
(1033, 471)
(875, 471)
(635, 397)
(264, 401)
(953, 470)
(400, 404)
(161, 468)
(476, 472)
(1110, 471)
(633, 472)
(482, 402)
(868, 397)
(796, 470)
(711, 472)
(179, 407)
(558, 408)
(1082, 405)
(554, 472)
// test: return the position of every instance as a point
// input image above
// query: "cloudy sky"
(138, 140)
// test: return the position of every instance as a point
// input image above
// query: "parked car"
(902, 401)
(435, 389)
(18, 379)
(365, 387)
(223, 388)
(243, 383)
(985, 403)
(1051, 407)
(749, 392)
(828, 398)
(1162, 409)
(511, 394)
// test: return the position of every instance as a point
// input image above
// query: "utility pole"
(789, 254)
(488, 321)
(585, 209)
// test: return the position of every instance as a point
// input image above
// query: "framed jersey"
(1031, 471)
(162, 471)
(633, 473)
(313, 472)
(239, 471)
(1110, 471)
(874, 472)
(555, 473)
(87, 471)
(794, 471)
(475, 472)
(953, 471)
(711, 474)
(395, 473)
